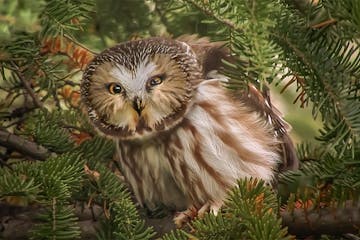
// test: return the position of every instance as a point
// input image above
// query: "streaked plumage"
(181, 136)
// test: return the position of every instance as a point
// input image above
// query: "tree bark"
(23, 146)
(332, 221)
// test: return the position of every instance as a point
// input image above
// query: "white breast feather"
(222, 158)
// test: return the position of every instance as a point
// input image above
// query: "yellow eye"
(114, 88)
(156, 81)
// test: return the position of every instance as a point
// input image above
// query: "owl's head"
(139, 88)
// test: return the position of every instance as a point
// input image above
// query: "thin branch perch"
(23, 146)
(332, 221)
(27, 87)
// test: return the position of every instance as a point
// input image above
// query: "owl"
(182, 137)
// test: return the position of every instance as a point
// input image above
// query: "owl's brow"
(134, 80)
(160, 75)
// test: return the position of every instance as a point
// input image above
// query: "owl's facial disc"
(135, 93)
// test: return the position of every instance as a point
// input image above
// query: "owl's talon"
(215, 207)
(181, 218)
(204, 209)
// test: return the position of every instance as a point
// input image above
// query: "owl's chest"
(147, 169)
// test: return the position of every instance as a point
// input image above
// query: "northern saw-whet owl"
(182, 137)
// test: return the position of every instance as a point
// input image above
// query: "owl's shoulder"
(209, 54)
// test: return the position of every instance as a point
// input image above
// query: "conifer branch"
(336, 100)
(324, 23)
(70, 39)
(332, 221)
(301, 5)
(23, 146)
(27, 87)
(310, 40)
(217, 17)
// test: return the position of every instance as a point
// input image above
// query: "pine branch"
(332, 221)
(214, 15)
(23, 146)
(328, 66)
(56, 222)
(25, 83)
(300, 5)
(64, 17)
(263, 36)
(70, 39)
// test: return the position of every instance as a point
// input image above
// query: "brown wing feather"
(210, 55)
(260, 101)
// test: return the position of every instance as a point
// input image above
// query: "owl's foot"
(192, 212)
(213, 207)
(181, 218)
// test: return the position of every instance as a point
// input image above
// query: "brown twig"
(23, 146)
(71, 83)
(332, 221)
(27, 86)
(324, 23)
(80, 45)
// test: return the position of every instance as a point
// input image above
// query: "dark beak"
(138, 105)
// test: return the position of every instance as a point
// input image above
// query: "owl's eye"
(156, 80)
(114, 88)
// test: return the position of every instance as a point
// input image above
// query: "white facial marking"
(134, 84)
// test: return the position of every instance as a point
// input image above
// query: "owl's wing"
(210, 55)
(260, 102)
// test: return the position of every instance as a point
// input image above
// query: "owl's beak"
(138, 105)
